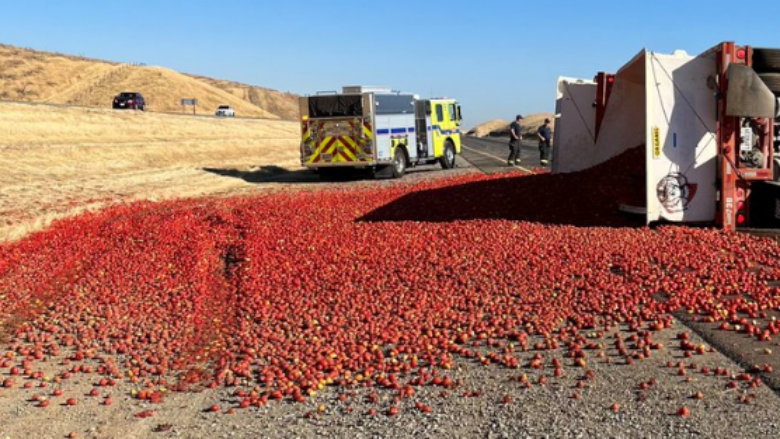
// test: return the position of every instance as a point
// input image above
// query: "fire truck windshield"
(335, 106)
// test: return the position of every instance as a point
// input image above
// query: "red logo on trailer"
(675, 192)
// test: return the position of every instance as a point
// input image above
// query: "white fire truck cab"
(379, 129)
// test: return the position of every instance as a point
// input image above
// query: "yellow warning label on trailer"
(656, 142)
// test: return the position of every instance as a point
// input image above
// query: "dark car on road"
(129, 100)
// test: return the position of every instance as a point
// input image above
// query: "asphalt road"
(489, 155)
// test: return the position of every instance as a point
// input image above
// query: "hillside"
(484, 129)
(61, 161)
(284, 105)
(497, 128)
(34, 76)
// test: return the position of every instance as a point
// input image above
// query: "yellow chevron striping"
(345, 155)
(350, 142)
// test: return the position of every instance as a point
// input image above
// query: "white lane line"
(496, 158)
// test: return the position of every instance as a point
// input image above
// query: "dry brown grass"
(58, 162)
(33, 76)
(501, 128)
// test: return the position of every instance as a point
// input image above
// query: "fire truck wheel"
(772, 80)
(448, 159)
(399, 162)
(766, 60)
(334, 174)
(326, 174)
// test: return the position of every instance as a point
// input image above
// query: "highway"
(108, 108)
(489, 155)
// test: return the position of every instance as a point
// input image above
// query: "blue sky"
(499, 58)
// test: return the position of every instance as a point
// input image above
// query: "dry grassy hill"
(284, 105)
(501, 128)
(34, 76)
(484, 129)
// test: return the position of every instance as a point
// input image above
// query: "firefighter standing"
(514, 142)
(545, 138)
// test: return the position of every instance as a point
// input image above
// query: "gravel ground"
(535, 410)
(742, 348)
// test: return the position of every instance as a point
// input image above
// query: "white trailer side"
(681, 147)
(662, 103)
(575, 120)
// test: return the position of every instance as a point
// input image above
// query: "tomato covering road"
(388, 285)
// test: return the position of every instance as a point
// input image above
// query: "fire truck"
(708, 124)
(378, 129)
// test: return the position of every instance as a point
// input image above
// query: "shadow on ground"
(586, 199)
(276, 174)
(268, 174)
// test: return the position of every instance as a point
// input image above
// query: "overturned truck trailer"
(707, 125)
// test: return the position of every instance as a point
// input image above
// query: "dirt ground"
(58, 162)
(476, 407)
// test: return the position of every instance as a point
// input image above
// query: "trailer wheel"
(772, 80)
(766, 60)
(776, 171)
(447, 160)
(399, 162)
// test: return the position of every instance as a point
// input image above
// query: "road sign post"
(193, 102)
